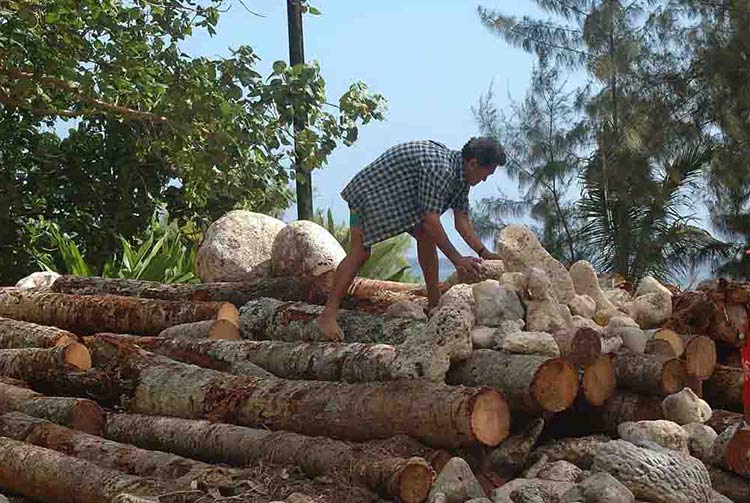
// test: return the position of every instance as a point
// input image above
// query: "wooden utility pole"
(297, 57)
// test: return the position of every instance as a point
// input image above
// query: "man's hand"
(470, 265)
(488, 255)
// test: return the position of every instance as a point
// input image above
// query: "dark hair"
(484, 149)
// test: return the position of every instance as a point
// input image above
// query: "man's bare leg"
(342, 279)
(428, 261)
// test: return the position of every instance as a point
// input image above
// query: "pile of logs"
(133, 391)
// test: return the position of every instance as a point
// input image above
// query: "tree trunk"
(704, 313)
(438, 414)
(648, 373)
(699, 356)
(77, 413)
(315, 361)
(52, 477)
(531, 384)
(731, 450)
(199, 330)
(579, 451)
(580, 346)
(598, 380)
(94, 384)
(90, 314)
(113, 455)
(720, 420)
(271, 319)
(25, 363)
(733, 487)
(394, 477)
(22, 334)
(724, 388)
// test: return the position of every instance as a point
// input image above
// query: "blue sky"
(430, 59)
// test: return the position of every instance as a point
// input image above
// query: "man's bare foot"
(330, 329)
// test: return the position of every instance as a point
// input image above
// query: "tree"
(157, 126)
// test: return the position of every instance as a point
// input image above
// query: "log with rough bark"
(25, 363)
(724, 388)
(731, 450)
(78, 413)
(730, 485)
(122, 457)
(408, 479)
(708, 313)
(649, 374)
(580, 346)
(531, 384)
(579, 451)
(438, 414)
(107, 390)
(720, 420)
(271, 319)
(199, 330)
(52, 477)
(22, 334)
(598, 380)
(90, 314)
(316, 361)
(510, 457)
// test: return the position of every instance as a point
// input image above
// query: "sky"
(430, 59)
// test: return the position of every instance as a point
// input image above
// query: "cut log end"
(88, 417)
(224, 329)
(78, 355)
(490, 418)
(738, 453)
(673, 377)
(415, 481)
(700, 356)
(555, 385)
(229, 312)
(673, 338)
(599, 381)
(660, 347)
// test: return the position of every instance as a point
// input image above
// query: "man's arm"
(469, 235)
(435, 230)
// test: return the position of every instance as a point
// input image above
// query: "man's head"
(481, 156)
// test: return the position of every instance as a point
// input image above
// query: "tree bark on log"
(731, 450)
(580, 346)
(15, 334)
(271, 319)
(724, 388)
(530, 383)
(90, 314)
(316, 361)
(105, 389)
(52, 477)
(77, 413)
(579, 451)
(720, 420)
(598, 380)
(438, 414)
(26, 363)
(705, 313)
(122, 457)
(732, 486)
(200, 330)
(648, 373)
(406, 479)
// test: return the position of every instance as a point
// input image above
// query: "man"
(406, 189)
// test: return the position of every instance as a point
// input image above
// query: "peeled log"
(531, 384)
(36, 472)
(648, 373)
(437, 414)
(580, 346)
(77, 413)
(22, 334)
(207, 329)
(406, 479)
(113, 455)
(91, 314)
(598, 380)
(26, 363)
(724, 388)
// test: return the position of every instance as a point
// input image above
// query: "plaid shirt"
(394, 191)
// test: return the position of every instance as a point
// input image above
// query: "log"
(409, 480)
(672, 337)
(317, 361)
(16, 334)
(708, 314)
(90, 314)
(207, 329)
(35, 472)
(435, 413)
(699, 355)
(25, 363)
(579, 451)
(107, 390)
(271, 319)
(660, 347)
(512, 455)
(724, 388)
(648, 373)
(580, 346)
(77, 413)
(598, 380)
(123, 457)
(731, 450)
(531, 384)
(732, 486)
(720, 420)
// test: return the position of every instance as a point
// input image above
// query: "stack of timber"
(133, 391)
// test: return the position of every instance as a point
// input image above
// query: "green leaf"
(279, 66)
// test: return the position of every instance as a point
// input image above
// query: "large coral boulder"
(305, 249)
(237, 247)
